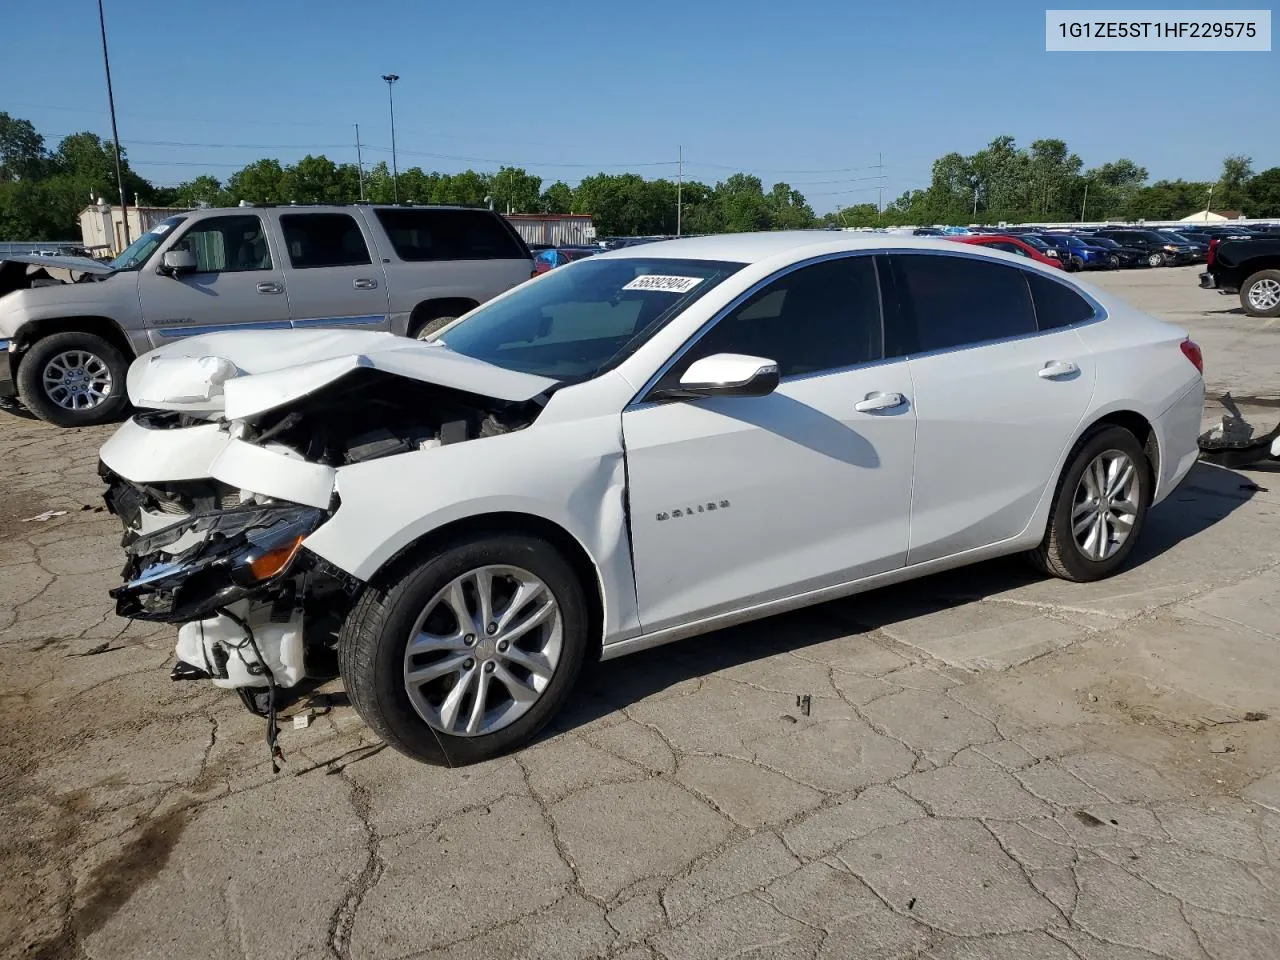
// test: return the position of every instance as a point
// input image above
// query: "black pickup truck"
(1250, 268)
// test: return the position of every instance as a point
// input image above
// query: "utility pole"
(679, 188)
(360, 162)
(115, 135)
(1209, 205)
(395, 176)
(880, 178)
(1085, 202)
(975, 200)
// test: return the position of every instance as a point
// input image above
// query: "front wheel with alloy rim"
(1099, 507)
(73, 379)
(1155, 260)
(1260, 295)
(469, 654)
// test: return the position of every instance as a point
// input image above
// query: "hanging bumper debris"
(1232, 443)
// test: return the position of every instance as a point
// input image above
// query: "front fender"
(571, 474)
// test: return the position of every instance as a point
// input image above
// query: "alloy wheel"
(483, 651)
(77, 380)
(1105, 507)
(1265, 294)
(1155, 259)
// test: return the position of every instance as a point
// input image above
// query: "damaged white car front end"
(231, 465)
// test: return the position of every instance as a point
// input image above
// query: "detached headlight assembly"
(191, 569)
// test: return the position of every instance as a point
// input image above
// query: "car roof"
(756, 247)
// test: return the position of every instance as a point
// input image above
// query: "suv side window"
(323, 240)
(954, 301)
(1056, 304)
(818, 318)
(423, 235)
(227, 244)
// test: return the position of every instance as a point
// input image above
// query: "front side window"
(955, 301)
(584, 318)
(323, 240)
(818, 318)
(227, 244)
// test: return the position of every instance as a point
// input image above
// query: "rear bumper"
(7, 387)
(1178, 439)
(1209, 281)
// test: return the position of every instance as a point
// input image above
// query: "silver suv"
(65, 348)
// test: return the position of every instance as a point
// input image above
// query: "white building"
(102, 225)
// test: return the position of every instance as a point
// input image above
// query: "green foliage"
(42, 192)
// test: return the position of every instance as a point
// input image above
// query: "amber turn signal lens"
(273, 561)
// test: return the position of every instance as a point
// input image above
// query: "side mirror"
(724, 375)
(178, 261)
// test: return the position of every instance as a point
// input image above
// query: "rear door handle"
(879, 401)
(1057, 368)
(364, 283)
(271, 286)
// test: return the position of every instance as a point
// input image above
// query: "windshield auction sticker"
(1159, 30)
(663, 284)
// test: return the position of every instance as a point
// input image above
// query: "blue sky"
(807, 91)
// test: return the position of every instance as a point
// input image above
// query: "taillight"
(1191, 350)
(1213, 246)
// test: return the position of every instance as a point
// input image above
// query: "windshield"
(138, 252)
(580, 320)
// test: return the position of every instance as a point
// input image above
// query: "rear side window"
(1056, 304)
(323, 240)
(418, 235)
(954, 301)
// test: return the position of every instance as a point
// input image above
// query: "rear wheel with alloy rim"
(1260, 295)
(469, 654)
(73, 379)
(1099, 507)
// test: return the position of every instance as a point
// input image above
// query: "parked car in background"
(1209, 231)
(1075, 253)
(1121, 256)
(1032, 240)
(1161, 251)
(649, 445)
(1018, 246)
(1250, 268)
(405, 269)
(1199, 245)
(553, 257)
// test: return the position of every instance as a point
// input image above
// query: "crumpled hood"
(241, 373)
(78, 264)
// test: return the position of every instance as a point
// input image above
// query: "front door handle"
(271, 286)
(364, 283)
(1057, 369)
(879, 401)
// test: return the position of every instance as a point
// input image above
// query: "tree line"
(42, 190)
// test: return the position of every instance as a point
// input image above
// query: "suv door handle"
(879, 401)
(1056, 369)
(271, 286)
(364, 283)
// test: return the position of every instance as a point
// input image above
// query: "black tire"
(371, 647)
(428, 318)
(35, 397)
(1058, 554)
(1249, 308)
(1156, 259)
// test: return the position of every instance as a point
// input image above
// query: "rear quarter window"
(1056, 304)
(434, 235)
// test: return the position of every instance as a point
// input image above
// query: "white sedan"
(636, 448)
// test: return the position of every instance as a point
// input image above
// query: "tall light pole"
(391, 102)
(115, 136)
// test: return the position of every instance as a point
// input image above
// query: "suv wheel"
(1099, 508)
(1260, 295)
(468, 654)
(1155, 260)
(73, 379)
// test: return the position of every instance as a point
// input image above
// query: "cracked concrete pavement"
(992, 766)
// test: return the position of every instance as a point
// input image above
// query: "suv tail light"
(1191, 350)
(1213, 246)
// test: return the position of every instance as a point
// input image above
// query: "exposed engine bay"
(26, 272)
